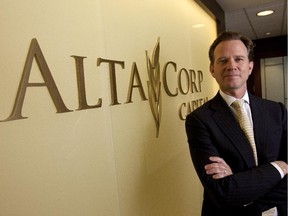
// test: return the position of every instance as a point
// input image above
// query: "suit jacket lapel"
(225, 119)
(258, 125)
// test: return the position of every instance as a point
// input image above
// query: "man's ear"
(212, 70)
(251, 65)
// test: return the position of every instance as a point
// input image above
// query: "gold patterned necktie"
(245, 125)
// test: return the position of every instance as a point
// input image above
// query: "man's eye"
(221, 61)
(239, 59)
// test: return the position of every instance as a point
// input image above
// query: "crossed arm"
(218, 168)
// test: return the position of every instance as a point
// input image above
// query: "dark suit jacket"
(212, 130)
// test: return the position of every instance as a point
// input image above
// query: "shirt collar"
(230, 99)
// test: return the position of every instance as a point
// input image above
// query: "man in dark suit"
(235, 182)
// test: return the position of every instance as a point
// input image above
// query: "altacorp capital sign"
(188, 81)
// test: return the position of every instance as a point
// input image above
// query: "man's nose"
(231, 64)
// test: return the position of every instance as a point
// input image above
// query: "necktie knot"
(238, 104)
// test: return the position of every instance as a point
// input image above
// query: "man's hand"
(218, 168)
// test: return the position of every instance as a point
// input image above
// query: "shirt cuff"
(279, 169)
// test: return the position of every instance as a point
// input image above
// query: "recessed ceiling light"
(268, 33)
(265, 13)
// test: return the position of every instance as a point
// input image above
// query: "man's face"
(231, 67)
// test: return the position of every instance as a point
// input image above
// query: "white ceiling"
(240, 16)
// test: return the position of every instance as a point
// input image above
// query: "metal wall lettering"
(35, 51)
(185, 80)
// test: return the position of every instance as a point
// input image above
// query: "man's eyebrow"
(235, 56)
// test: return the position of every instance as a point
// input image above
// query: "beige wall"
(104, 161)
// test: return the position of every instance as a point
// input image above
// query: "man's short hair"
(228, 35)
